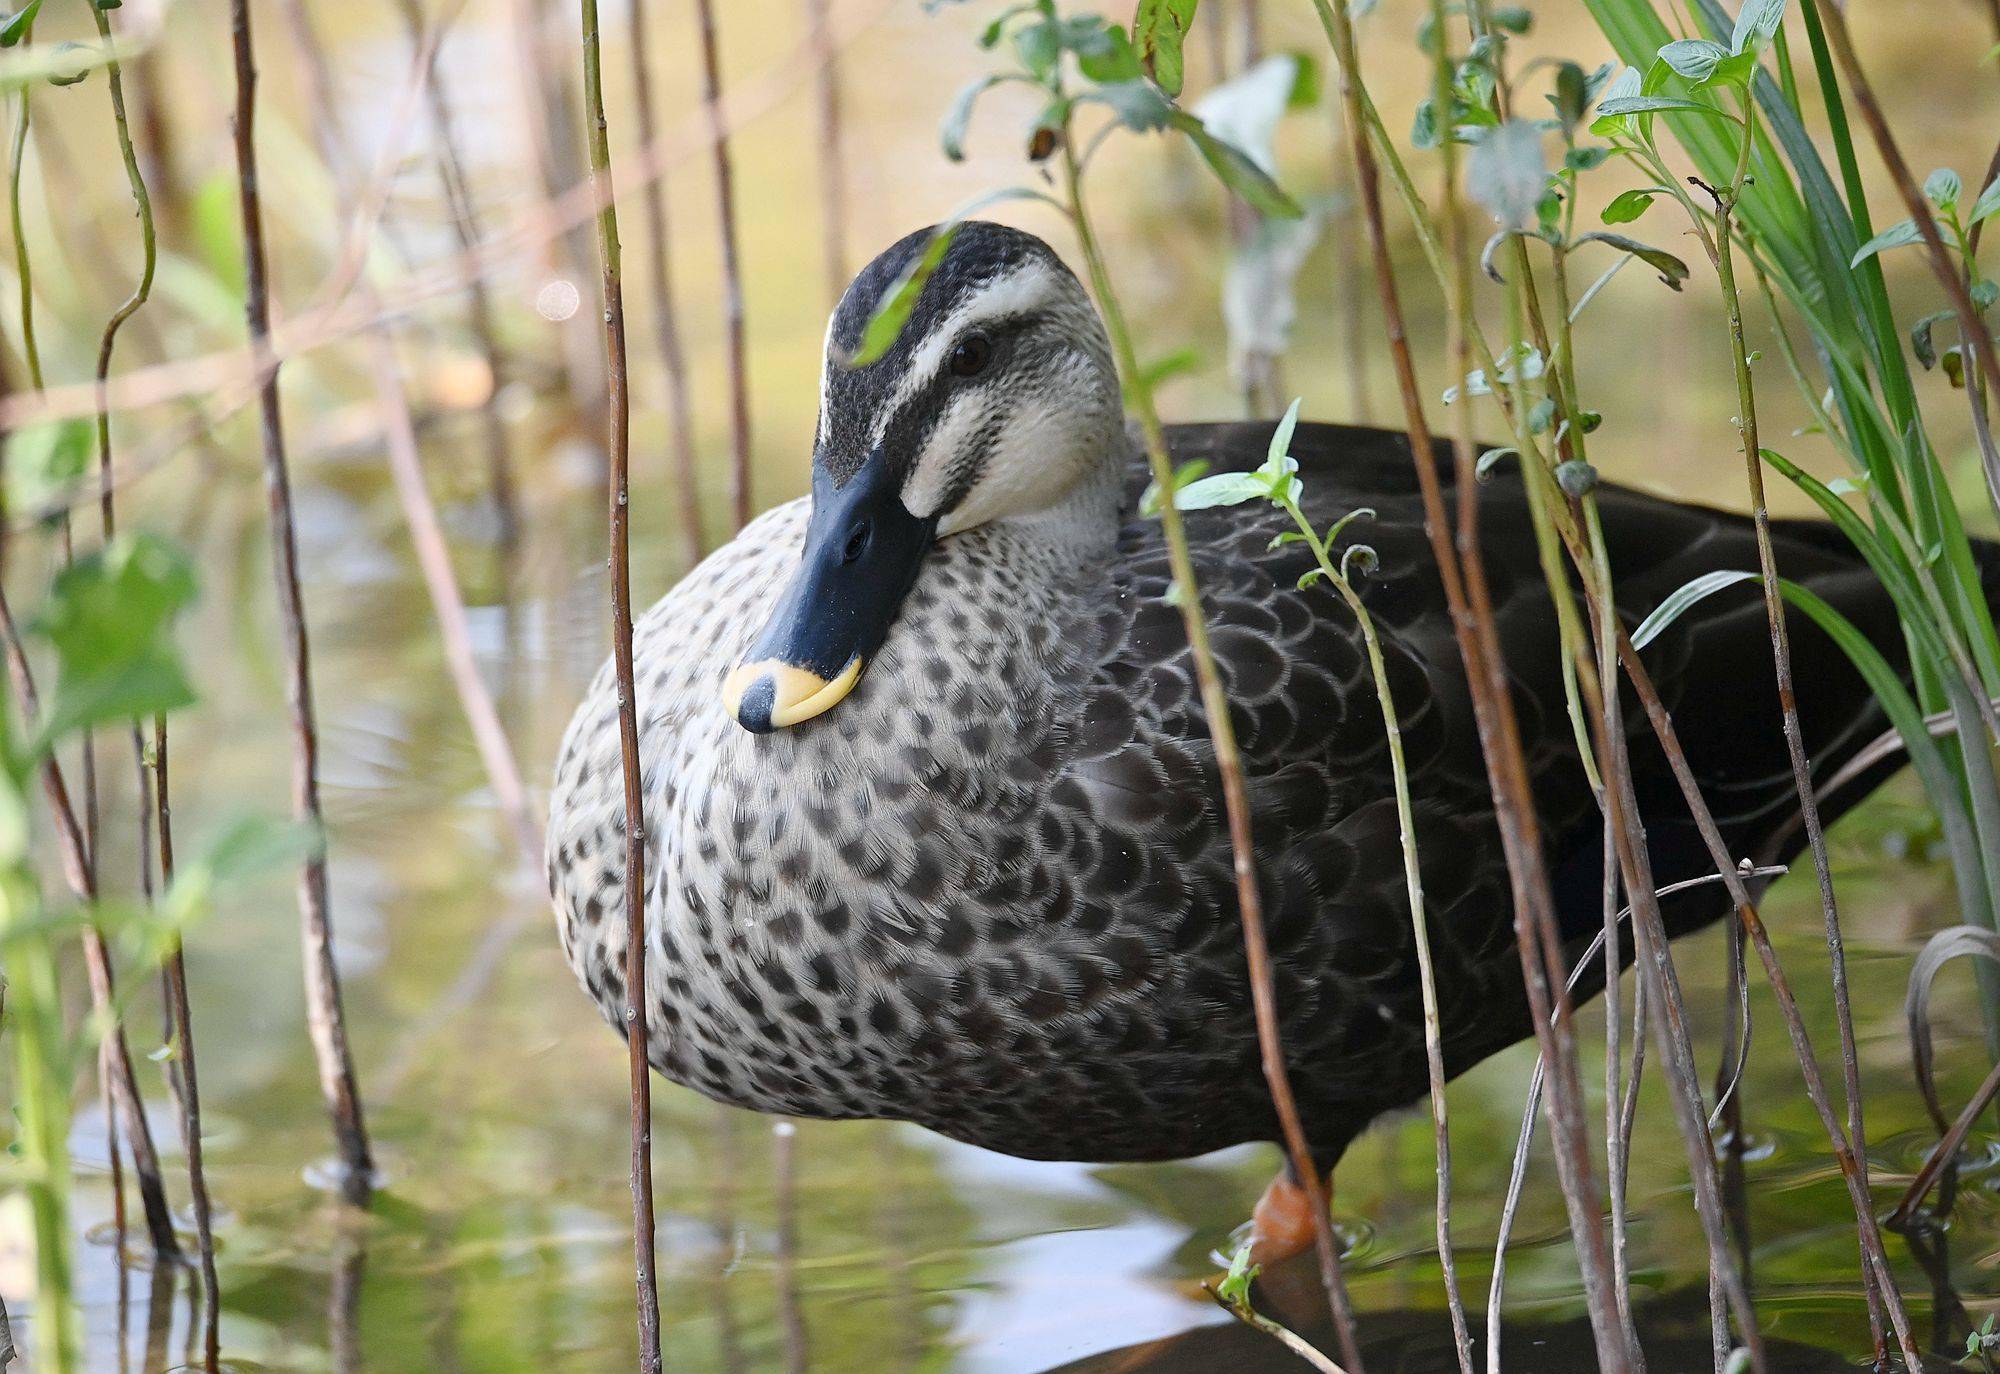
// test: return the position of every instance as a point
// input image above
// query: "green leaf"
(1039, 46)
(1506, 173)
(1571, 96)
(1736, 70)
(249, 845)
(1279, 451)
(1223, 489)
(70, 76)
(892, 310)
(44, 462)
(1424, 127)
(952, 134)
(1671, 269)
(1489, 461)
(110, 617)
(1684, 597)
(1164, 369)
(1159, 32)
(1627, 206)
(1235, 169)
(1614, 106)
(1693, 58)
(16, 25)
(1586, 159)
(1138, 105)
(1895, 236)
(1920, 337)
(1103, 52)
(1987, 205)
(1756, 25)
(1942, 188)
(1623, 87)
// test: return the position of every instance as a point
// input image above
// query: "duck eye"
(970, 356)
(857, 542)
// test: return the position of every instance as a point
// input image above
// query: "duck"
(932, 819)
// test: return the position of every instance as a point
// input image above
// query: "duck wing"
(1314, 751)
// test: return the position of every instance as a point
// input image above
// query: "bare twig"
(325, 1017)
(618, 443)
(732, 267)
(665, 323)
(190, 1094)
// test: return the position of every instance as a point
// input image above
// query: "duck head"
(997, 401)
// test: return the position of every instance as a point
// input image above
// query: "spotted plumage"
(990, 890)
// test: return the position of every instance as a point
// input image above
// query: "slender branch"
(325, 1018)
(190, 1095)
(1413, 886)
(665, 321)
(1472, 623)
(79, 839)
(732, 267)
(1229, 767)
(173, 967)
(1781, 656)
(618, 441)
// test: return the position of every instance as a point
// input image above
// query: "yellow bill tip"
(772, 695)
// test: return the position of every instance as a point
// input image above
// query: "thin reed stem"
(1229, 767)
(1413, 886)
(1723, 253)
(732, 266)
(618, 443)
(832, 157)
(666, 325)
(1463, 578)
(173, 967)
(462, 209)
(326, 1019)
(190, 1087)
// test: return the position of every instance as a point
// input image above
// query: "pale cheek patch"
(938, 472)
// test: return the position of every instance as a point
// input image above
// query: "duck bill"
(863, 549)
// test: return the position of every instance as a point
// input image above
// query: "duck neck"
(1083, 525)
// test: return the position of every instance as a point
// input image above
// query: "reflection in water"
(784, 1136)
(1673, 1329)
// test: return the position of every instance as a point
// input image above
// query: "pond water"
(500, 1240)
